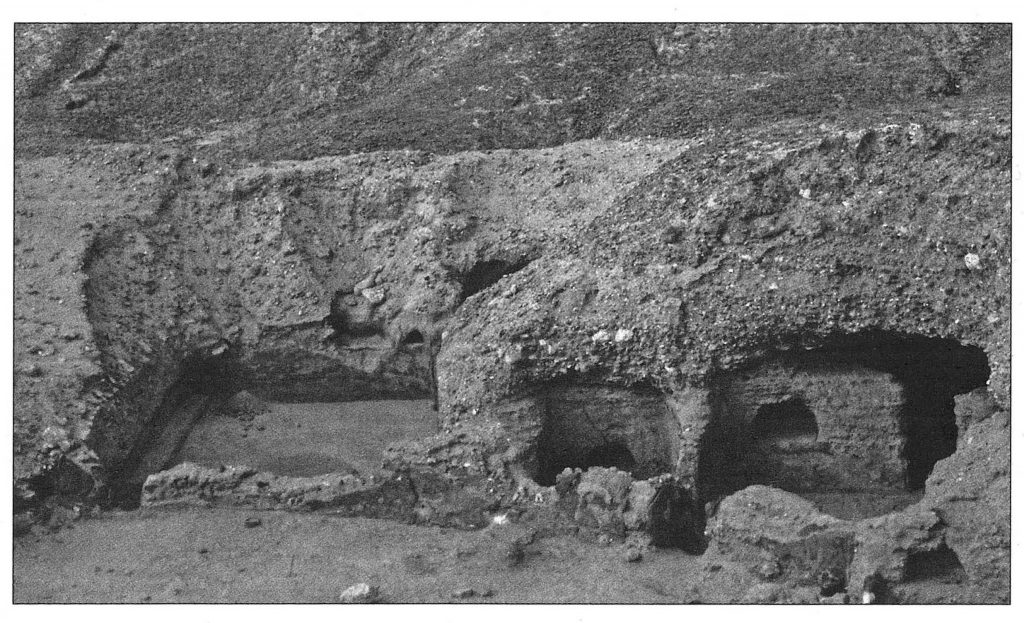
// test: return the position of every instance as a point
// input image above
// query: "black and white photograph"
(510, 312)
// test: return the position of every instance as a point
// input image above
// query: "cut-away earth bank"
(769, 348)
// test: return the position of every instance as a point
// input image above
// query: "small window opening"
(412, 338)
(790, 419)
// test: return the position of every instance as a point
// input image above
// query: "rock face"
(968, 491)
(390, 497)
(799, 276)
(782, 537)
(360, 594)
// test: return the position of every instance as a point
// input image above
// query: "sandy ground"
(210, 556)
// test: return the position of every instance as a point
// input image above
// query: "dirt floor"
(349, 436)
(209, 555)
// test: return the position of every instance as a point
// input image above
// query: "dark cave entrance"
(940, 564)
(611, 455)
(412, 338)
(790, 419)
(859, 418)
(586, 426)
(486, 273)
(676, 521)
(932, 371)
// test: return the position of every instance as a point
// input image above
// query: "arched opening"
(587, 426)
(412, 338)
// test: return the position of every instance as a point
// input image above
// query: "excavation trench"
(220, 413)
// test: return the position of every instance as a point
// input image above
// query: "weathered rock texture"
(711, 255)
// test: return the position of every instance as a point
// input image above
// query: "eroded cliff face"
(615, 333)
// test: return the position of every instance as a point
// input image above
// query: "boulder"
(762, 527)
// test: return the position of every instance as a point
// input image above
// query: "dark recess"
(940, 564)
(412, 338)
(611, 455)
(676, 520)
(213, 378)
(485, 274)
(931, 370)
(790, 418)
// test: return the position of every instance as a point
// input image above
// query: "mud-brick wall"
(588, 425)
(856, 440)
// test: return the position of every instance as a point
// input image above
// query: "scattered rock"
(831, 582)
(764, 523)
(836, 599)
(361, 593)
(769, 570)
(884, 544)
(70, 335)
(365, 284)
(762, 594)
(376, 296)
(30, 369)
(633, 554)
(515, 553)
(464, 593)
(972, 261)
(973, 407)
(23, 524)
(76, 101)
(173, 589)
(253, 522)
(970, 492)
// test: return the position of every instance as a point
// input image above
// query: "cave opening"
(932, 371)
(586, 426)
(615, 455)
(412, 338)
(676, 521)
(486, 273)
(856, 424)
(939, 564)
